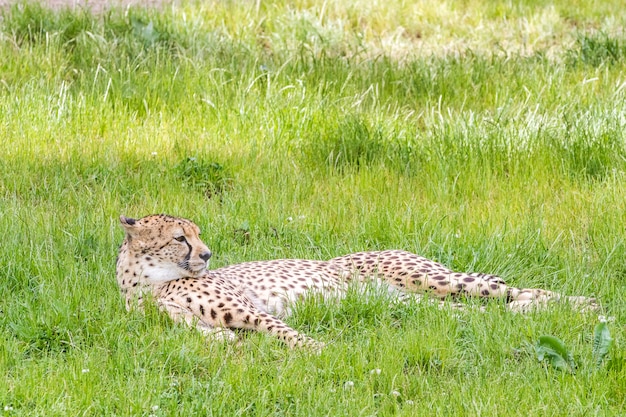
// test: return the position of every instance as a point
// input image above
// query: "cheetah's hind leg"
(542, 302)
(517, 299)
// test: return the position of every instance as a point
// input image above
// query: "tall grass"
(488, 136)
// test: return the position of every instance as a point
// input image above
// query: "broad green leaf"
(602, 342)
(554, 350)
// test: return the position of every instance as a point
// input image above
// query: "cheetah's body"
(164, 256)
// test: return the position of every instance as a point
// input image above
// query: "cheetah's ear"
(128, 223)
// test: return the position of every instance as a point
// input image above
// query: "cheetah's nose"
(205, 256)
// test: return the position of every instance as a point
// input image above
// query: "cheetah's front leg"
(264, 322)
(249, 318)
(183, 315)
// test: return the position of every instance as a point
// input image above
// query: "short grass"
(487, 135)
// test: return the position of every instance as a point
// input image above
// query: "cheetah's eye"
(180, 238)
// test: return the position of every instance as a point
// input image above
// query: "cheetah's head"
(166, 248)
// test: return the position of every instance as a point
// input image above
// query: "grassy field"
(488, 135)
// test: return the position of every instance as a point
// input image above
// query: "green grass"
(489, 136)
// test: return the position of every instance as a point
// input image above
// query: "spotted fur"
(164, 257)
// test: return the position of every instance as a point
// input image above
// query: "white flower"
(348, 385)
(395, 393)
(376, 371)
(409, 402)
(8, 408)
(85, 370)
(153, 154)
(604, 319)
(289, 219)
(154, 407)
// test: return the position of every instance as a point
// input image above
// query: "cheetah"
(163, 257)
